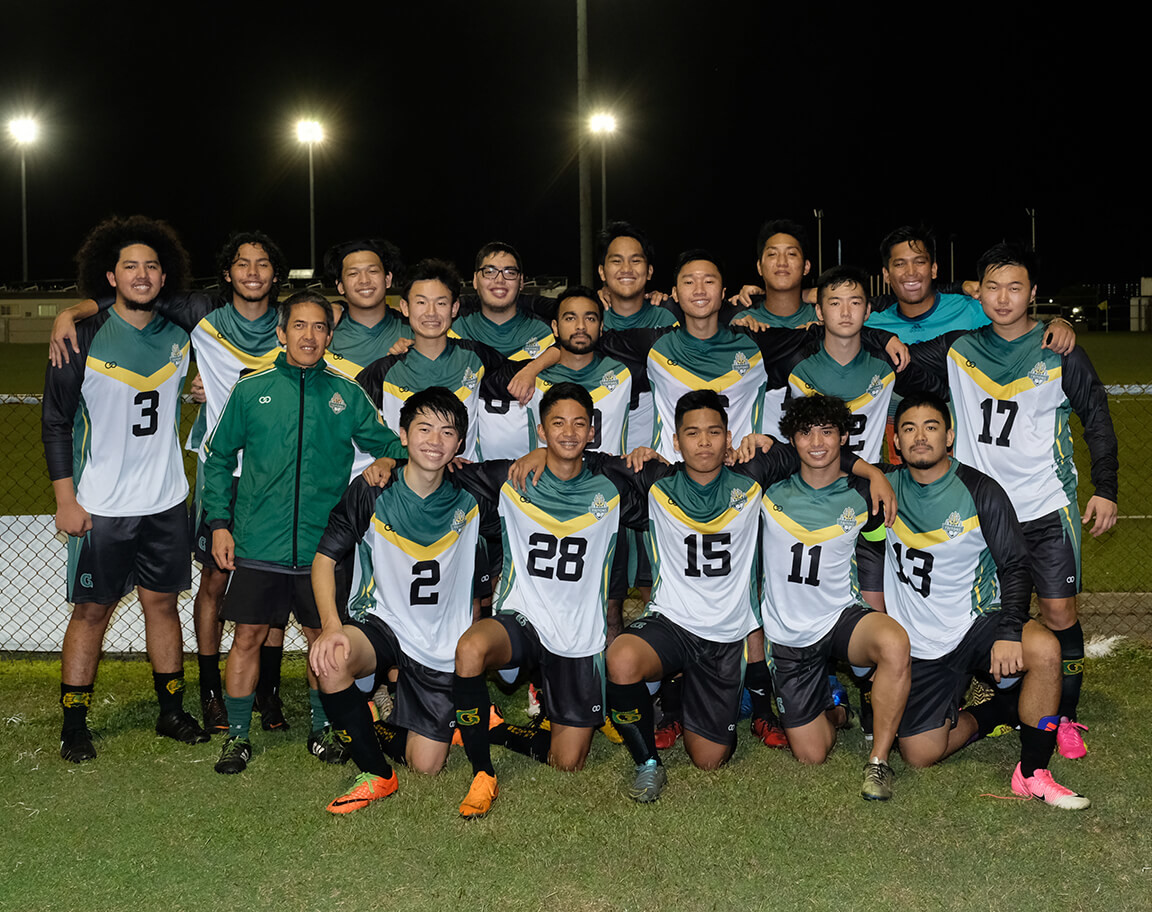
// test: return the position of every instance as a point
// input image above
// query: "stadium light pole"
(310, 132)
(24, 130)
(602, 125)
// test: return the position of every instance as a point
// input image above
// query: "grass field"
(150, 825)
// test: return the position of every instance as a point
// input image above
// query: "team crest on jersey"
(337, 404)
(953, 525)
(469, 379)
(532, 347)
(740, 364)
(875, 385)
(1039, 374)
(176, 356)
(847, 520)
(737, 499)
(610, 381)
(598, 507)
(458, 520)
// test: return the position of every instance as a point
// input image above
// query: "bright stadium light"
(603, 124)
(310, 132)
(24, 131)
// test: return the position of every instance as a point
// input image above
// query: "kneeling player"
(956, 578)
(812, 607)
(422, 531)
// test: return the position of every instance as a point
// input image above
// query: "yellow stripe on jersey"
(597, 394)
(997, 390)
(858, 403)
(714, 525)
(928, 539)
(251, 362)
(343, 365)
(690, 380)
(418, 551)
(131, 378)
(808, 536)
(556, 527)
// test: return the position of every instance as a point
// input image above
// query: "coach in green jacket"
(296, 423)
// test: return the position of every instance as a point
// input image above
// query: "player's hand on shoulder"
(329, 652)
(743, 298)
(883, 496)
(898, 352)
(641, 455)
(522, 386)
(1007, 659)
(378, 473)
(751, 323)
(63, 335)
(751, 445)
(656, 298)
(1059, 336)
(530, 465)
(971, 288)
(1104, 511)
(72, 519)
(400, 346)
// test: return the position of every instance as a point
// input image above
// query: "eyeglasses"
(509, 272)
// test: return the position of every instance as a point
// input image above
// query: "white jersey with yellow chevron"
(609, 383)
(865, 383)
(559, 540)
(127, 457)
(809, 555)
(729, 363)
(1012, 417)
(702, 542)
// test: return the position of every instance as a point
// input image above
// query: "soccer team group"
(467, 494)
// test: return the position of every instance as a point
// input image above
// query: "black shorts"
(257, 596)
(573, 687)
(713, 675)
(423, 695)
(938, 685)
(1054, 553)
(800, 673)
(122, 552)
(202, 534)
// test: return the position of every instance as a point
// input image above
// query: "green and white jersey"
(355, 346)
(702, 543)
(955, 552)
(729, 363)
(642, 419)
(804, 315)
(559, 539)
(610, 385)
(1012, 401)
(228, 347)
(809, 556)
(865, 384)
(423, 559)
(503, 431)
(111, 417)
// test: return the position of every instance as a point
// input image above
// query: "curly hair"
(100, 251)
(815, 411)
(231, 249)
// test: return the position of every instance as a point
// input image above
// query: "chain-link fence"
(1117, 596)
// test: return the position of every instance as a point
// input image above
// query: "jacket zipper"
(299, 458)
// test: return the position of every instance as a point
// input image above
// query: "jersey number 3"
(149, 402)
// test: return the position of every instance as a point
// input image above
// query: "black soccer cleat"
(76, 745)
(234, 757)
(214, 712)
(327, 747)
(271, 709)
(180, 726)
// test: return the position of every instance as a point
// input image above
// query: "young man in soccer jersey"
(499, 277)
(362, 271)
(813, 609)
(1012, 399)
(231, 336)
(782, 262)
(559, 537)
(296, 423)
(121, 491)
(422, 529)
(956, 578)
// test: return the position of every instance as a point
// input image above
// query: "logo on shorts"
(610, 381)
(596, 708)
(532, 347)
(175, 356)
(469, 379)
(875, 385)
(598, 507)
(86, 580)
(847, 520)
(740, 364)
(737, 500)
(458, 520)
(202, 543)
(1039, 374)
(779, 706)
(1070, 579)
(953, 525)
(264, 400)
(337, 404)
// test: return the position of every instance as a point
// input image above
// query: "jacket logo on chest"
(1039, 374)
(337, 404)
(740, 364)
(953, 525)
(598, 507)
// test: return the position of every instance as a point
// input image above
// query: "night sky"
(451, 124)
